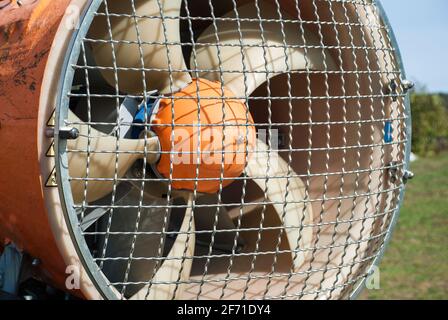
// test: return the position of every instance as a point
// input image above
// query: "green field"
(416, 263)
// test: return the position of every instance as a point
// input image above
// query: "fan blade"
(286, 192)
(103, 159)
(154, 32)
(205, 219)
(175, 269)
(262, 59)
(122, 224)
(92, 215)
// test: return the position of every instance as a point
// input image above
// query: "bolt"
(68, 133)
(408, 175)
(138, 173)
(137, 170)
(35, 262)
(407, 85)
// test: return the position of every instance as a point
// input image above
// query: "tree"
(429, 123)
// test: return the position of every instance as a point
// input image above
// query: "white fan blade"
(171, 268)
(290, 214)
(207, 216)
(103, 159)
(232, 56)
(158, 38)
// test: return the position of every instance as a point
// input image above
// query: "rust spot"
(4, 54)
(32, 86)
(22, 75)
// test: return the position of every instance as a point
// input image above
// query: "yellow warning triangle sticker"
(50, 151)
(51, 181)
(52, 121)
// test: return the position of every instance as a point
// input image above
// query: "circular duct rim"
(47, 120)
(407, 104)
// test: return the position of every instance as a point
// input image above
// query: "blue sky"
(421, 29)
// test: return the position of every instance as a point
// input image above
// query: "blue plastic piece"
(139, 117)
(388, 130)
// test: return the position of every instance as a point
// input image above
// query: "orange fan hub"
(213, 136)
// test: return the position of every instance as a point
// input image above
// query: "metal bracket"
(392, 90)
(393, 171)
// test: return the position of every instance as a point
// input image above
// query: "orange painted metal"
(26, 35)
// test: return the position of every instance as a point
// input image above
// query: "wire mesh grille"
(309, 230)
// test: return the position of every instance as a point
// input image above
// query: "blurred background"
(416, 263)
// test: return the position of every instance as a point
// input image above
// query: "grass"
(416, 263)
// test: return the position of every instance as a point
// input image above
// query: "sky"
(421, 29)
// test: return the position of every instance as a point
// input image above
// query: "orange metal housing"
(26, 36)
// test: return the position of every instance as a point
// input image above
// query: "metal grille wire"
(331, 133)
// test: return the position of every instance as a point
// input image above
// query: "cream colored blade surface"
(257, 61)
(170, 269)
(103, 159)
(159, 41)
(287, 201)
